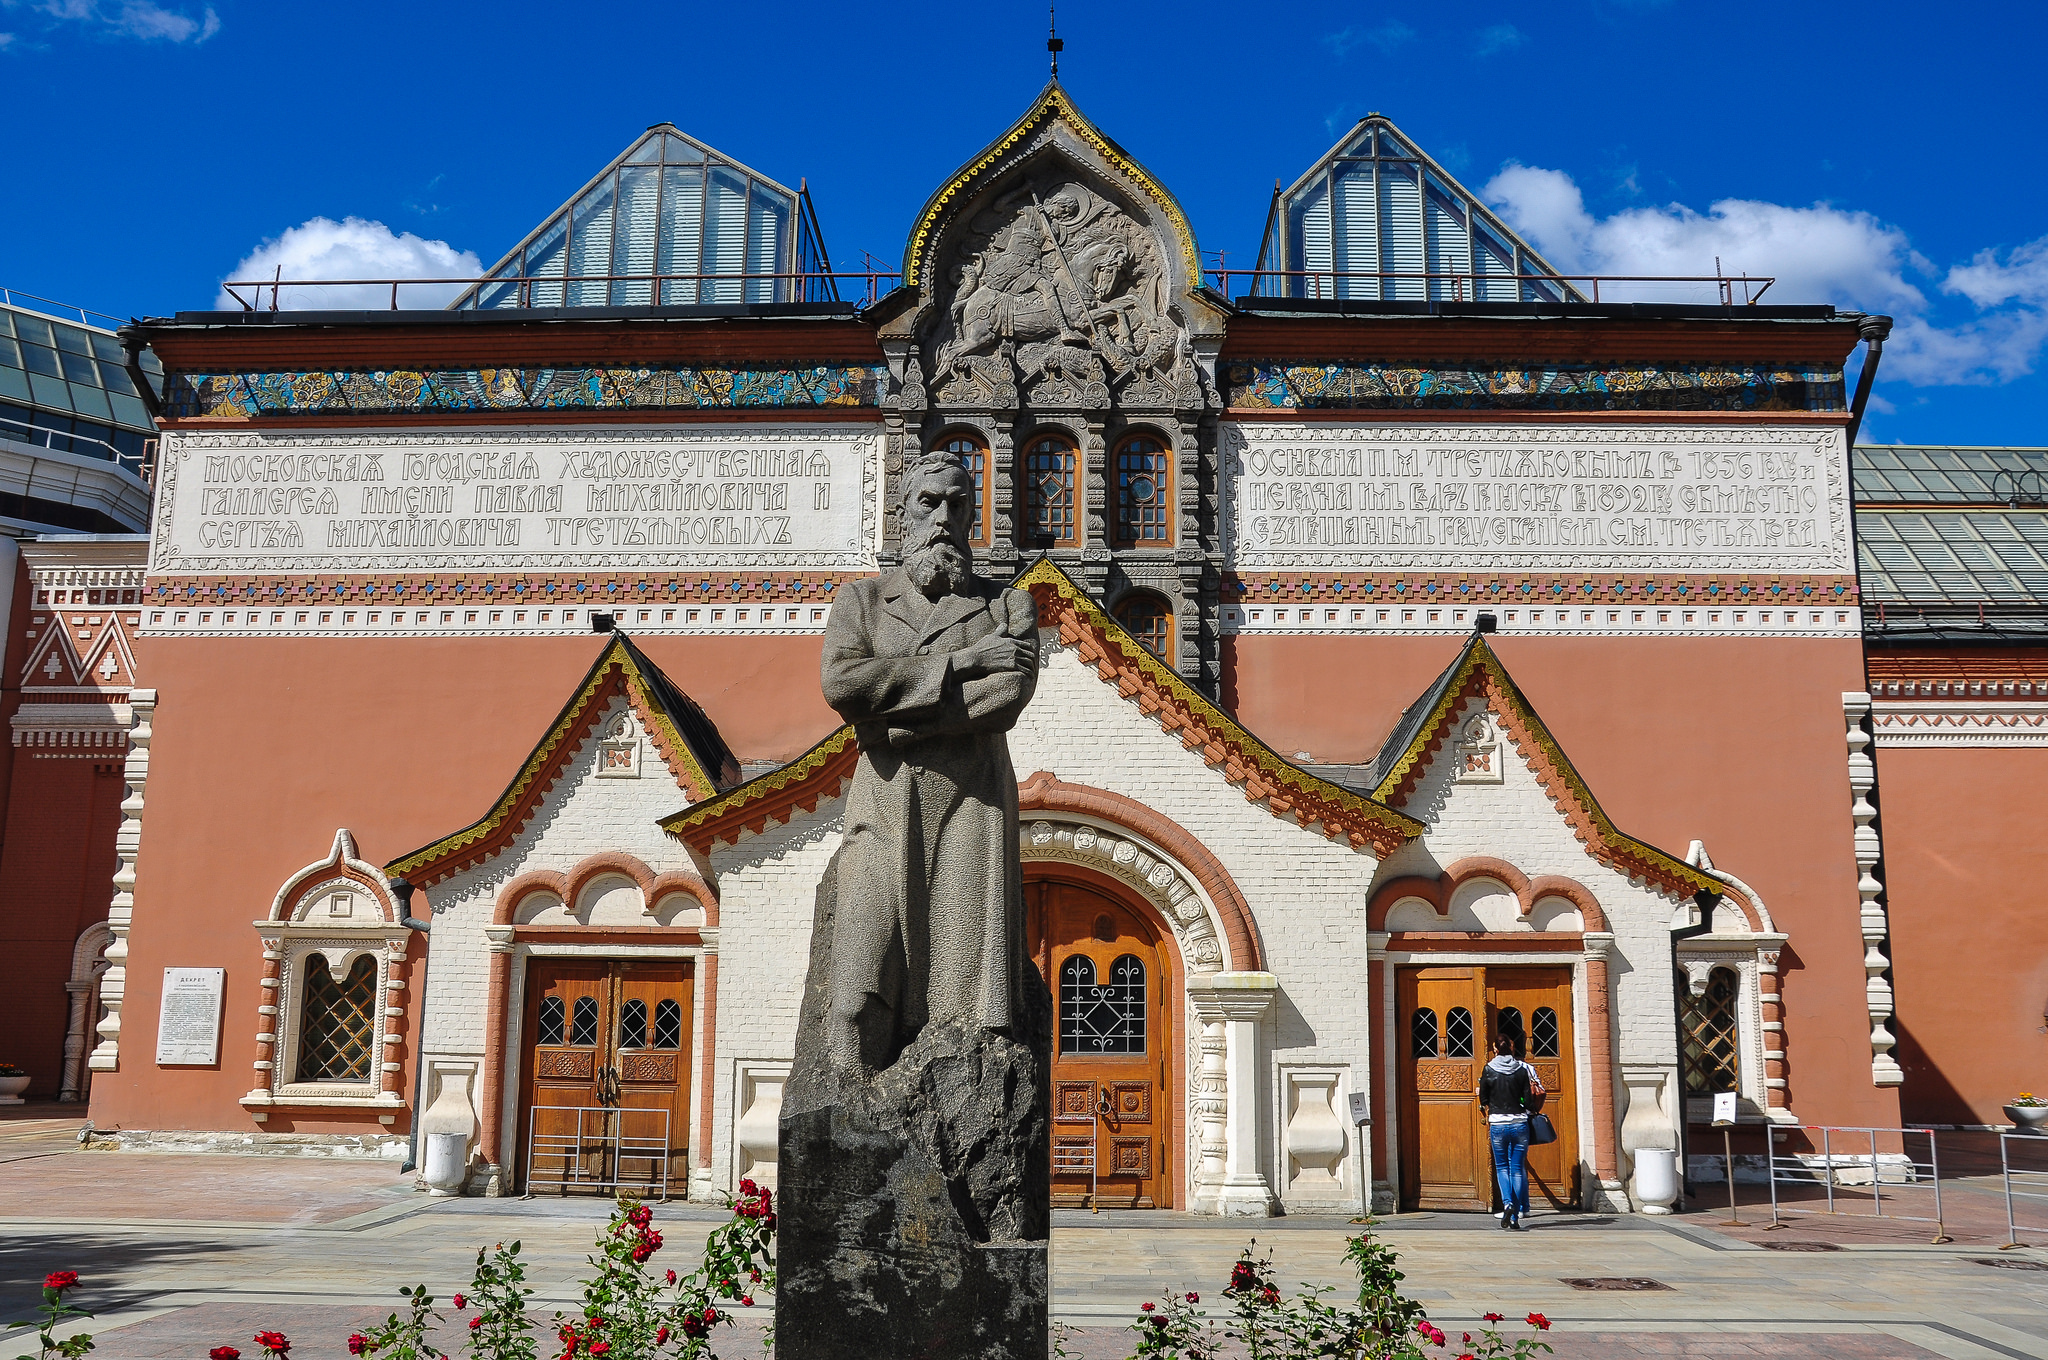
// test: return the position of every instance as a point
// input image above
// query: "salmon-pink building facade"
(1429, 654)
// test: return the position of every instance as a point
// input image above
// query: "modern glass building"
(669, 223)
(75, 433)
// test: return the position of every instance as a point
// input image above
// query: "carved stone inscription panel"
(706, 496)
(1526, 496)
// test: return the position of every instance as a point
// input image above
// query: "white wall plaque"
(188, 1023)
(579, 499)
(1562, 498)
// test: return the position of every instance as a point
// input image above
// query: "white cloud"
(353, 248)
(141, 19)
(1499, 38)
(1818, 253)
(1386, 37)
(6, 40)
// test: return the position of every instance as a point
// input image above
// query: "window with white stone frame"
(1728, 1009)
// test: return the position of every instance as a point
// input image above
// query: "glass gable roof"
(1949, 528)
(1919, 474)
(65, 386)
(1378, 219)
(649, 229)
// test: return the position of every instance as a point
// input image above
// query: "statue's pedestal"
(914, 1205)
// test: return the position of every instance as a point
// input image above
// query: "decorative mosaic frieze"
(520, 389)
(1346, 386)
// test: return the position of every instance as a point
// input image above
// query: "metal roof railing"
(805, 286)
(143, 467)
(30, 302)
(1325, 284)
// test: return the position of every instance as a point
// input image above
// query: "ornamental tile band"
(520, 389)
(1273, 385)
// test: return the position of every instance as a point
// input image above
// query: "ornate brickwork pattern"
(1278, 385)
(426, 391)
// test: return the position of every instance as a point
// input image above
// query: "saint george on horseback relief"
(1059, 281)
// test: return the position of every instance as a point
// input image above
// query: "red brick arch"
(1046, 792)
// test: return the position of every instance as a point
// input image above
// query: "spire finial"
(1052, 39)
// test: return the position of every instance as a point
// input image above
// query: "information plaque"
(188, 1025)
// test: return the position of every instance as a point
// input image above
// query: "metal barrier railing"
(1844, 1170)
(595, 1156)
(2034, 1180)
(1076, 1158)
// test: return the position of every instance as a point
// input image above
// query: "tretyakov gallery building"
(1429, 651)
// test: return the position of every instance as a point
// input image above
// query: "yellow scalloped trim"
(615, 658)
(754, 790)
(1056, 104)
(1481, 658)
(1276, 770)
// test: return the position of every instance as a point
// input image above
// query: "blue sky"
(1865, 155)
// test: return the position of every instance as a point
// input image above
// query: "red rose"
(358, 1343)
(661, 1336)
(671, 1277)
(710, 1314)
(600, 1347)
(1493, 1317)
(223, 1353)
(274, 1342)
(1194, 1298)
(60, 1279)
(1145, 1307)
(747, 1186)
(476, 1322)
(461, 1302)
(1539, 1322)
(1242, 1276)
(746, 1300)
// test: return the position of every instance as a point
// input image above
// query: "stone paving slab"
(163, 1187)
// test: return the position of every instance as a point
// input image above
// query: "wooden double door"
(1446, 1020)
(1112, 1061)
(606, 1073)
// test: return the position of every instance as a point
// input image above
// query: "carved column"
(1884, 1069)
(121, 913)
(1379, 1063)
(1211, 1105)
(1095, 477)
(1239, 1002)
(1771, 1010)
(268, 1016)
(493, 1095)
(391, 1084)
(1600, 1036)
(1002, 466)
(73, 1087)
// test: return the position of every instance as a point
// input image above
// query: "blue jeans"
(1510, 1165)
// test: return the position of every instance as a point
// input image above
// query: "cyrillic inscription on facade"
(1490, 497)
(731, 496)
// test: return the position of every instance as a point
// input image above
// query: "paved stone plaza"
(181, 1253)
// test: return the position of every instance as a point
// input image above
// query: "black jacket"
(1504, 1092)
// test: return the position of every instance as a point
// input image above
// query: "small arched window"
(973, 456)
(1509, 1026)
(668, 1024)
(1543, 1033)
(583, 1022)
(1458, 1033)
(633, 1024)
(1050, 481)
(1144, 486)
(552, 1017)
(338, 1021)
(1149, 619)
(1102, 1017)
(1422, 1034)
(1709, 1054)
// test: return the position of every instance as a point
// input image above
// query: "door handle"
(607, 1085)
(1103, 1106)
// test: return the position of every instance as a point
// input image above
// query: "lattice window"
(1509, 1022)
(1543, 1033)
(1458, 1033)
(1709, 1054)
(338, 1022)
(1149, 619)
(583, 1022)
(1106, 1017)
(1422, 1034)
(633, 1024)
(1144, 485)
(552, 1016)
(1049, 483)
(974, 457)
(668, 1024)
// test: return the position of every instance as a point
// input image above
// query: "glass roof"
(66, 386)
(1376, 205)
(666, 213)
(1932, 474)
(1953, 558)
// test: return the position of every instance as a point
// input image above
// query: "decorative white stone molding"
(121, 912)
(1884, 1069)
(757, 1119)
(1314, 1138)
(1647, 1124)
(88, 962)
(1237, 1003)
(1752, 954)
(1971, 722)
(1162, 881)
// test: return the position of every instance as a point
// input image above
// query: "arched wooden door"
(1112, 1066)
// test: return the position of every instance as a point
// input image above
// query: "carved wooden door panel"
(1533, 1006)
(1111, 1116)
(1440, 1032)
(603, 1035)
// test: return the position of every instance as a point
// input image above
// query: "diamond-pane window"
(1102, 1017)
(1510, 1022)
(337, 1022)
(668, 1025)
(1049, 487)
(1543, 1033)
(1458, 1033)
(974, 458)
(552, 1014)
(1149, 619)
(583, 1022)
(1422, 1034)
(1142, 486)
(1707, 1035)
(633, 1024)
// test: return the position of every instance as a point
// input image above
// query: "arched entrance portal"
(1113, 989)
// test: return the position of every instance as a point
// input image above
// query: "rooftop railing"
(553, 290)
(29, 302)
(1411, 286)
(142, 466)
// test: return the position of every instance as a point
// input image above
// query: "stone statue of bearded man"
(932, 665)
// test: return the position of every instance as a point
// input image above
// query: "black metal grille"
(1422, 1034)
(1106, 1017)
(338, 1021)
(583, 1022)
(1707, 1035)
(1543, 1033)
(668, 1025)
(633, 1024)
(1458, 1033)
(551, 1017)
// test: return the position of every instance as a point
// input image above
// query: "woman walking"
(1504, 1091)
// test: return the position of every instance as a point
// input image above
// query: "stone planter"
(11, 1089)
(2028, 1118)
